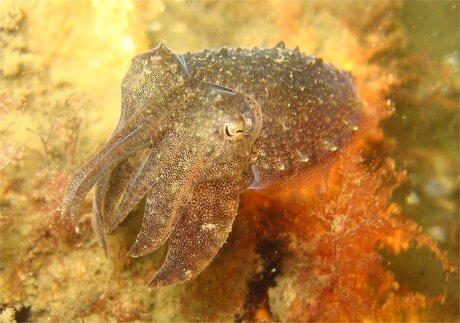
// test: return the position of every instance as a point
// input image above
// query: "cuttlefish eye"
(236, 130)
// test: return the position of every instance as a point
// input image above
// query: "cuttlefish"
(198, 129)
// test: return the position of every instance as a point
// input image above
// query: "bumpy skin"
(196, 130)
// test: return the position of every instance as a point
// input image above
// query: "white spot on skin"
(330, 146)
(208, 226)
(281, 166)
(304, 158)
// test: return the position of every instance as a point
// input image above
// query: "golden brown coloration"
(191, 138)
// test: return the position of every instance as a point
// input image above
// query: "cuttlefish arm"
(117, 184)
(131, 137)
(166, 201)
(156, 66)
(201, 231)
(98, 229)
(108, 191)
(151, 170)
(168, 172)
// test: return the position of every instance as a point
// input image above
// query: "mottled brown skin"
(196, 130)
(309, 108)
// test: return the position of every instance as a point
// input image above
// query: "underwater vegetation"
(372, 235)
(217, 122)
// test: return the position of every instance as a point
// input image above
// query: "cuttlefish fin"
(201, 231)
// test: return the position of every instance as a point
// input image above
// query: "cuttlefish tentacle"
(118, 183)
(101, 189)
(167, 199)
(202, 230)
(130, 138)
(109, 187)
(113, 183)
(99, 192)
(116, 180)
(150, 170)
(98, 227)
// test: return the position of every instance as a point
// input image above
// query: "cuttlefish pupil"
(275, 106)
(236, 130)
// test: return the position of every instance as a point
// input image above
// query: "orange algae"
(331, 269)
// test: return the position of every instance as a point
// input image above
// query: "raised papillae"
(196, 130)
